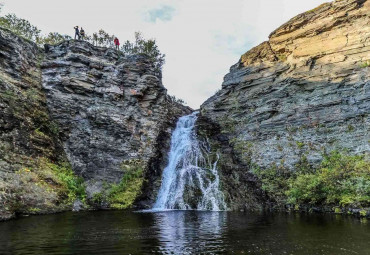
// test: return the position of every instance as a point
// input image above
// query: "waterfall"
(190, 181)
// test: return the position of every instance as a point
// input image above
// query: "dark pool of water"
(184, 232)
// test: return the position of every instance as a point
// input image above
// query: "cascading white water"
(190, 180)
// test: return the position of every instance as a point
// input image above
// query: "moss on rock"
(41, 187)
(122, 195)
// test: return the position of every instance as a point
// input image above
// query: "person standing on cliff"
(116, 43)
(77, 33)
(82, 33)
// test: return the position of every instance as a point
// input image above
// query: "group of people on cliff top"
(80, 35)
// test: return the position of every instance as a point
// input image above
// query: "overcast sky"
(201, 38)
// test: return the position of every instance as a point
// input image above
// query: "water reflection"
(179, 232)
(185, 232)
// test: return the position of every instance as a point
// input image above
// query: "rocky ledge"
(303, 92)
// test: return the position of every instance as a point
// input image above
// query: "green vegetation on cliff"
(123, 194)
(340, 180)
(25, 29)
(42, 187)
(365, 64)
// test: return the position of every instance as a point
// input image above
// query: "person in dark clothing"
(116, 42)
(77, 33)
(82, 33)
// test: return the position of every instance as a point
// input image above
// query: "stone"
(304, 91)
(89, 106)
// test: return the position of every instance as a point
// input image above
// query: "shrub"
(318, 8)
(20, 27)
(282, 57)
(25, 29)
(305, 188)
(148, 47)
(123, 194)
(53, 38)
(71, 186)
(274, 182)
(363, 213)
(340, 180)
(174, 99)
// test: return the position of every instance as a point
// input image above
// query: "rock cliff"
(76, 106)
(304, 91)
(26, 130)
(110, 109)
(87, 127)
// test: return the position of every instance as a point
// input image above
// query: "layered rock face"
(26, 130)
(84, 106)
(305, 91)
(23, 104)
(109, 108)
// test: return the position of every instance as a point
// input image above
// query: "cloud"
(163, 13)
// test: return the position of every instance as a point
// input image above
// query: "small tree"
(148, 47)
(53, 38)
(20, 27)
(101, 38)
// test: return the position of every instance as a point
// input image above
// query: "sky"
(201, 38)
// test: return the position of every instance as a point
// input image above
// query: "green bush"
(340, 180)
(20, 27)
(148, 47)
(52, 38)
(305, 188)
(282, 57)
(25, 29)
(123, 194)
(274, 182)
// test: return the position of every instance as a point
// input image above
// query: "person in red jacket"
(116, 42)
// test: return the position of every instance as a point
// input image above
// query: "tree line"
(101, 38)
